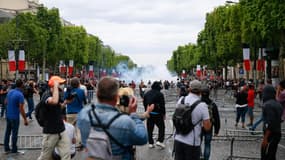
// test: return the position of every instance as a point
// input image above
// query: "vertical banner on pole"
(246, 59)
(198, 71)
(12, 60)
(260, 62)
(70, 68)
(91, 71)
(21, 62)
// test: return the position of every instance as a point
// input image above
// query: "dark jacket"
(154, 96)
(272, 110)
(241, 98)
(217, 122)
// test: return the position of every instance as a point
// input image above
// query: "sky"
(147, 31)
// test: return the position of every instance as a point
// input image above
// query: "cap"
(195, 85)
(55, 78)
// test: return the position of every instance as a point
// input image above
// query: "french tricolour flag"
(246, 59)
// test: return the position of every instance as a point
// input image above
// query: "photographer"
(125, 95)
(77, 96)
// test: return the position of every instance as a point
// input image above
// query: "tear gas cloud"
(144, 73)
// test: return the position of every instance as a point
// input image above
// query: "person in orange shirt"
(250, 103)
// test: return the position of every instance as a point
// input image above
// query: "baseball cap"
(55, 78)
(195, 85)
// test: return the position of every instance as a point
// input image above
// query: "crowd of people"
(70, 121)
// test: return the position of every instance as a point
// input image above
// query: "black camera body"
(124, 100)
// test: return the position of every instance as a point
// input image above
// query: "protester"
(250, 103)
(241, 106)
(214, 119)
(77, 95)
(142, 88)
(3, 95)
(54, 133)
(31, 90)
(15, 106)
(128, 130)
(187, 147)
(90, 90)
(272, 112)
(157, 116)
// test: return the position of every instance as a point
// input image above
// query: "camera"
(124, 100)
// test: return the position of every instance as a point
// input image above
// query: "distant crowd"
(111, 127)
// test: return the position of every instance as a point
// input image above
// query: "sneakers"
(150, 146)
(7, 152)
(160, 144)
(18, 152)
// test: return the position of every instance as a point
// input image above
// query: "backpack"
(182, 117)
(98, 142)
(41, 109)
(210, 109)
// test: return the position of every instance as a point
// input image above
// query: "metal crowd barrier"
(30, 142)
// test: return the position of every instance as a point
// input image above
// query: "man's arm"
(55, 95)
(22, 111)
(207, 125)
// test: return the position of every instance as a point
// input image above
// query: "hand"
(216, 134)
(264, 143)
(133, 105)
(56, 84)
(26, 122)
(150, 108)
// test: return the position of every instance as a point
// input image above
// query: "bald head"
(107, 89)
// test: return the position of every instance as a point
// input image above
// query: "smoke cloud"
(144, 73)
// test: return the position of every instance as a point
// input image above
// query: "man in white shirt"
(187, 147)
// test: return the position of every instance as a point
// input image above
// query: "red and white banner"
(198, 71)
(91, 71)
(260, 62)
(21, 62)
(12, 60)
(62, 67)
(246, 59)
(70, 67)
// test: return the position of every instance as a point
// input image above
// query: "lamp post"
(231, 2)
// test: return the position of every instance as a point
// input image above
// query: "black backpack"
(41, 109)
(182, 117)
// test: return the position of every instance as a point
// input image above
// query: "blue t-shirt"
(15, 97)
(77, 104)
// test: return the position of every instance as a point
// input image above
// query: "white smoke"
(144, 73)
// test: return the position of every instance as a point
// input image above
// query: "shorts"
(250, 111)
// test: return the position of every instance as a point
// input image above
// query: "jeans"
(186, 152)
(90, 94)
(3, 110)
(31, 107)
(269, 152)
(207, 148)
(11, 126)
(256, 123)
(241, 111)
(159, 122)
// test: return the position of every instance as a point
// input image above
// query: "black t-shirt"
(54, 123)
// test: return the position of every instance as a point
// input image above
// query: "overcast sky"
(145, 30)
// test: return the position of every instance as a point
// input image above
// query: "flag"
(62, 67)
(198, 71)
(260, 61)
(21, 62)
(12, 61)
(70, 68)
(246, 59)
(91, 71)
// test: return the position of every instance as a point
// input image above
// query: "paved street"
(220, 145)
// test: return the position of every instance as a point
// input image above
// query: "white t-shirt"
(199, 114)
(70, 130)
(83, 87)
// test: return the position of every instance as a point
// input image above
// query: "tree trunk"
(281, 53)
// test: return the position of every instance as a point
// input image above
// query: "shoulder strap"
(183, 100)
(105, 127)
(193, 106)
